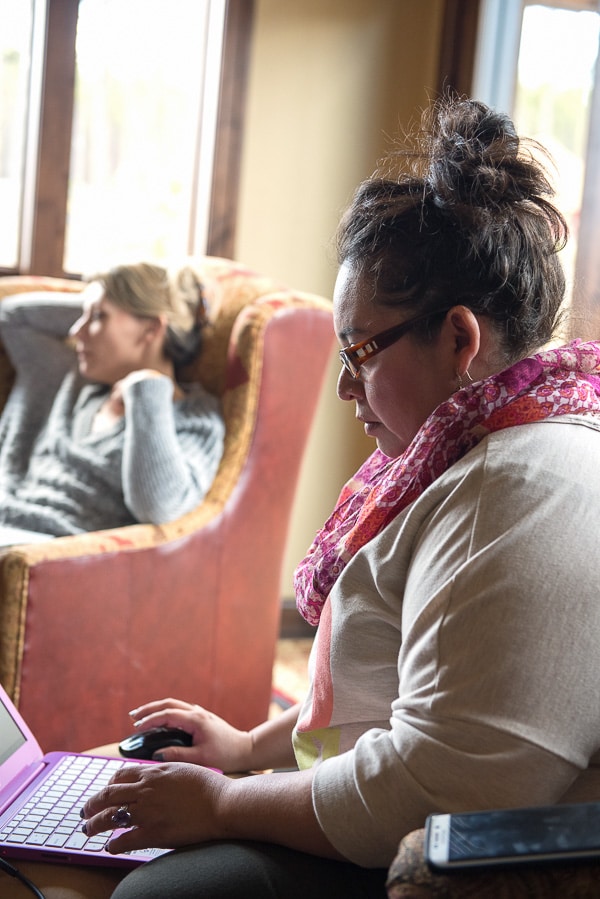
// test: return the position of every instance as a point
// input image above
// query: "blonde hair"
(148, 291)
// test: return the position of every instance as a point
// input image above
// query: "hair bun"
(187, 293)
(473, 157)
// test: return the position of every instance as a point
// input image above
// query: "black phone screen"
(524, 832)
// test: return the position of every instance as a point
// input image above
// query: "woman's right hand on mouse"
(216, 743)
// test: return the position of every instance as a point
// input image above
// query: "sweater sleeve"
(33, 328)
(497, 701)
(171, 451)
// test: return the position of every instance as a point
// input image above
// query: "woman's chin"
(387, 442)
(389, 445)
(87, 372)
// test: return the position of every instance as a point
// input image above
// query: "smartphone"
(513, 836)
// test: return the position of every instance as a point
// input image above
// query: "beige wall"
(330, 82)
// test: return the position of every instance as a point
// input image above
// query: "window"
(118, 117)
(536, 61)
(15, 64)
(555, 80)
(141, 81)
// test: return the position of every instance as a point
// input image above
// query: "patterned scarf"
(555, 382)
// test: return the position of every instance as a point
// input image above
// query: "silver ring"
(122, 817)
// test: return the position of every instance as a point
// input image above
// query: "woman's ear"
(466, 336)
(156, 327)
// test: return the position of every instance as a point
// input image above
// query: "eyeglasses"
(352, 357)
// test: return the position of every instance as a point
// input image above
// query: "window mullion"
(45, 206)
(230, 128)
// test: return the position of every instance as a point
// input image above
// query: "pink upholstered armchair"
(95, 624)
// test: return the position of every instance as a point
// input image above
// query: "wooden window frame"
(585, 318)
(458, 46)
(43, 230)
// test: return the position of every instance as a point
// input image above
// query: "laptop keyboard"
(50, 817)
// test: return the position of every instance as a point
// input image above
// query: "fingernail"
(84, 828)
(132, 712)
(82, 814)
(158, 757)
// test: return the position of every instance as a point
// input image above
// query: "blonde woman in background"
(98, 432)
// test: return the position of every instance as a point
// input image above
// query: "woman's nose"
(348, 387)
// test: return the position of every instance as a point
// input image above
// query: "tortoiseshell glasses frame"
(355, 355)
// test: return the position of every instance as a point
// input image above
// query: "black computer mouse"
(144, 744)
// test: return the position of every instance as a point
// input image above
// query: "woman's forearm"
(168, 463)
(273, 808)
(33, 328)
(49, 313)
(272, 742)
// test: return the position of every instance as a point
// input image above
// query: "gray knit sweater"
(58, 478)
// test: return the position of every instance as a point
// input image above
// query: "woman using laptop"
(454, 586)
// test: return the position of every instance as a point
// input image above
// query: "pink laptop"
(41, 797)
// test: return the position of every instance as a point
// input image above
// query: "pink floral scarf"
(554, 382)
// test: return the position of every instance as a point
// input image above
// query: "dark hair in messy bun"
(468, 221)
